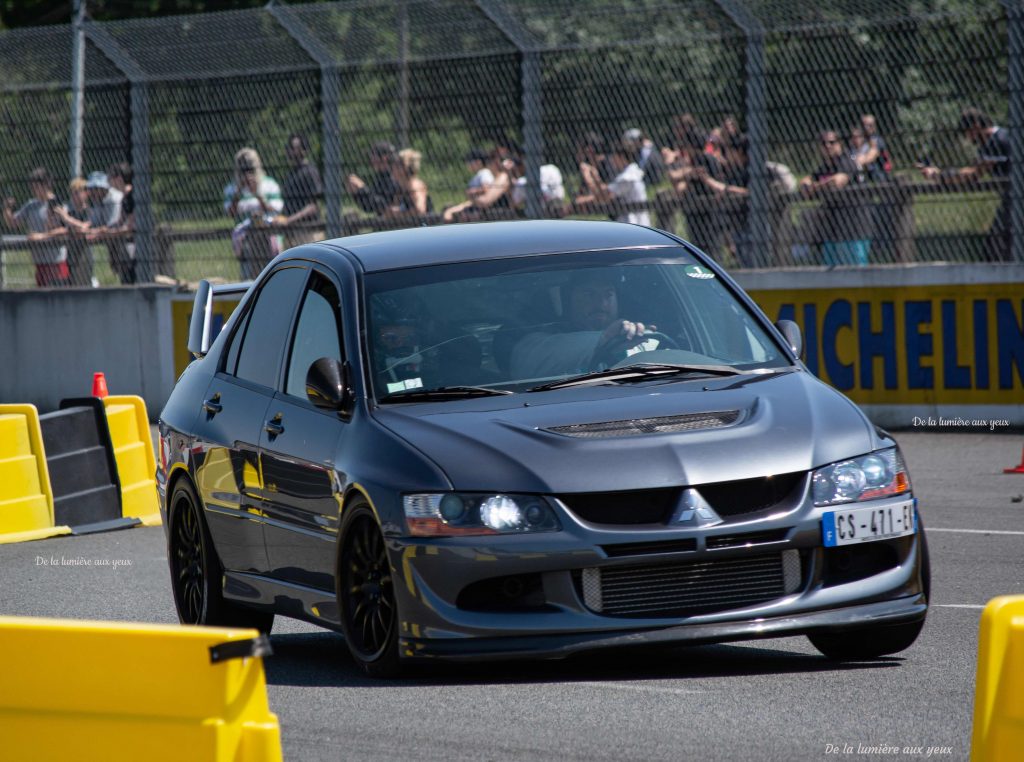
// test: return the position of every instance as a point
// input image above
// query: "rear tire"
(881, 640)
(196, 573)
(365, 593)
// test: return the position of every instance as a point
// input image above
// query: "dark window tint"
(316, 334)
(267, 331)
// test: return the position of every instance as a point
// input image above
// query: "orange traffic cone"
(1016, 469)
(99, 385)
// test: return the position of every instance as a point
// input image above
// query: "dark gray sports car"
(527, 439)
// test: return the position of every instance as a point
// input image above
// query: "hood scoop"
(642, 426)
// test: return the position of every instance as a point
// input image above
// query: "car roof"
(445, 244)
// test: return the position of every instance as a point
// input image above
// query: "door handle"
(212, 405)
(273, 426)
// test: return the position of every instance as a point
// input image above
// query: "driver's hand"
(624, 329)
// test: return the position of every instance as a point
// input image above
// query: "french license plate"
(853, 525)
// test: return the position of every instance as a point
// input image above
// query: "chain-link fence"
(768, 132)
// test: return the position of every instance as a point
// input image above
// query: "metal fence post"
(402, 107)
(1015, 62)
(142, 176)
(330, 119)
(533, 109)
(77, 87)
(757, 131)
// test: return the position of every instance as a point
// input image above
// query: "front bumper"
(433, 576)
(554, 646)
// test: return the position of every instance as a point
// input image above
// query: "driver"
(591, 324)
(398, 359)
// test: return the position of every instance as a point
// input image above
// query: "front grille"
(639, 426)
(750, 495)
(717, 542)
(684, 545)
(688, 589)
(649, 506)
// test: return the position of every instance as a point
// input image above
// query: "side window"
(266, 332)
(316, 334)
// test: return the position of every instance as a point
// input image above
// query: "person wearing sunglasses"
(844, 217)
(254, 200)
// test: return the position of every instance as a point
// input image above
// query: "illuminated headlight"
(454, 513)
(880, 474)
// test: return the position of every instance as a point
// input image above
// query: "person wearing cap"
(38, 216)
(104, 217)
(590, 324)
(382, 192)
(253, 199)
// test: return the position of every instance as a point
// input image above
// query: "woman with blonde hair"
(405, 170)
(254, 200)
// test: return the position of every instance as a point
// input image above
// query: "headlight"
(456, 513)
(880, 474)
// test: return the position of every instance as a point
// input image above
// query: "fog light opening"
(512, 587)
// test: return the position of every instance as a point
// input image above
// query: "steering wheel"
(614, 351)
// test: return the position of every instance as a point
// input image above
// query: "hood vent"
(642, 426)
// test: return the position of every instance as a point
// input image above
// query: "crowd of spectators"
(100, 211)
(701, 175)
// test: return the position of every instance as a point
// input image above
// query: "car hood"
(785, 422)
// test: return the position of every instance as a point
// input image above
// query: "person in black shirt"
(301, 191)
(844, 218)
(690, 168)
(120, 233)
(382, 193)
(993, 159)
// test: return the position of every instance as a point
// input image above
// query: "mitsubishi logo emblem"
(694, 511)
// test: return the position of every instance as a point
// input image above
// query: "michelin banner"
(935, 354)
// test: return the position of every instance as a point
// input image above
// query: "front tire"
(196, 572)
(882, 640)
(366, 595)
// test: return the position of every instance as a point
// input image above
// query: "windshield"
(512, 325)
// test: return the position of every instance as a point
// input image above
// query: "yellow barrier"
(116, 691)
(999, 690)
(26, 500)
(133, 451)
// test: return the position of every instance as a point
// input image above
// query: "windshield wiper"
(638, 371)
(442, 393)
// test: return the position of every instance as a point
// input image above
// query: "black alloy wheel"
(196, 572)
(187, 561)
(366, 596)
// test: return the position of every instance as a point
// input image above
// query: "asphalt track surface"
(766, 700)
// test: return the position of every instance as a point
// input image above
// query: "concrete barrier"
(116, 691)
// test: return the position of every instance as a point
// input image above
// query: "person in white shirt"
(628, 186)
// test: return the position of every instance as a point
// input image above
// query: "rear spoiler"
(200, 329)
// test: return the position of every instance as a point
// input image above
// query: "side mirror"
(791, 332)
(327, 385)
(200, 335)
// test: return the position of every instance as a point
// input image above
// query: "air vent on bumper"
(692, 588)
